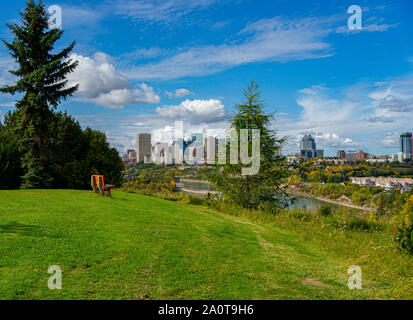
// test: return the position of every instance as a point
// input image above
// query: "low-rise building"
(404, 184)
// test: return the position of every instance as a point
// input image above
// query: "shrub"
(300, 214)
(359, 224)
(10, 170)
(403, 237)
(403, 228)
(325, 210)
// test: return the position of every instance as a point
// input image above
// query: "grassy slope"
(139, 247)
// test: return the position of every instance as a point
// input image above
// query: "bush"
(359, 224)
(403, 237)
(403, 228)
(10, 170)
(73, 154)
(300, 214)
(325, 210)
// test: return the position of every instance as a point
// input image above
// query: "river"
(295, 201)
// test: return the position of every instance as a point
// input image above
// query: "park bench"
(98, 185)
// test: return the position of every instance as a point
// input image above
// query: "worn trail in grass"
(140, 247)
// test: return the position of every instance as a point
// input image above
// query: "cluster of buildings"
(195, 150)
(404, 184)
(200, 149)
(309, 151)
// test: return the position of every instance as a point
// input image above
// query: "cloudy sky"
(144, 64)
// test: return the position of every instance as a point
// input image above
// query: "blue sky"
(144, 64)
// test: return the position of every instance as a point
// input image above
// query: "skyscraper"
(308, 148)
(308, 143)
(406, 145)
(144, 146)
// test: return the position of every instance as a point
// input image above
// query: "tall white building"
(210, 149)
(196, 154)
(161, 153)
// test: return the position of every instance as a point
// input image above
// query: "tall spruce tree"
(42, 80)
(263, 190)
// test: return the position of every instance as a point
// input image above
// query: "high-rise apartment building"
(144, 146)
(406, 147)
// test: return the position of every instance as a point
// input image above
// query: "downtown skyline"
(143, 65)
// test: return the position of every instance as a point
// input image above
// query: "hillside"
(140, 247)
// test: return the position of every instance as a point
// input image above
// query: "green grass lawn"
(139, 247)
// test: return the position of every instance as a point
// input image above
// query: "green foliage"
(318, 170)
(101, 158)
(386, 204)
(404, 237)
(403, 227)
(10, 170)
(325, 210)
(74, 154)
(149, 179)
(42, 80)
(49, 149)
(262, 190)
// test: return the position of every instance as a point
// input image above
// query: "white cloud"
(198, 111)
(276, 39)
(10, 104)
(374, 27)
(6, 64)
(313, 89)
(160, 10)
(179, 93)
(121, 127)
(116, 99)
(81, 16)
(324, 140)
(101, 83)
(391, 139)
(142, 53)
(382, 119)
(333, 140)
(270, 39)
(361, 116)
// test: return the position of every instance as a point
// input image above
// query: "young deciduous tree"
(262, 190)
(42, 80)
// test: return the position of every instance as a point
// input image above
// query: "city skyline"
(189, 60)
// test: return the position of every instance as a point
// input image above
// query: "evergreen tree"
(263, 190)
(42, 80)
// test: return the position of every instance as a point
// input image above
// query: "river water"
(295, 201)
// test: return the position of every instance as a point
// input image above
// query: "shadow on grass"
(25, 230)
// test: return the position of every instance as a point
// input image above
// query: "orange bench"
(98, 185)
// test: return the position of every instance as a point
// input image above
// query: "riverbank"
(202, 190)
(293, 191)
